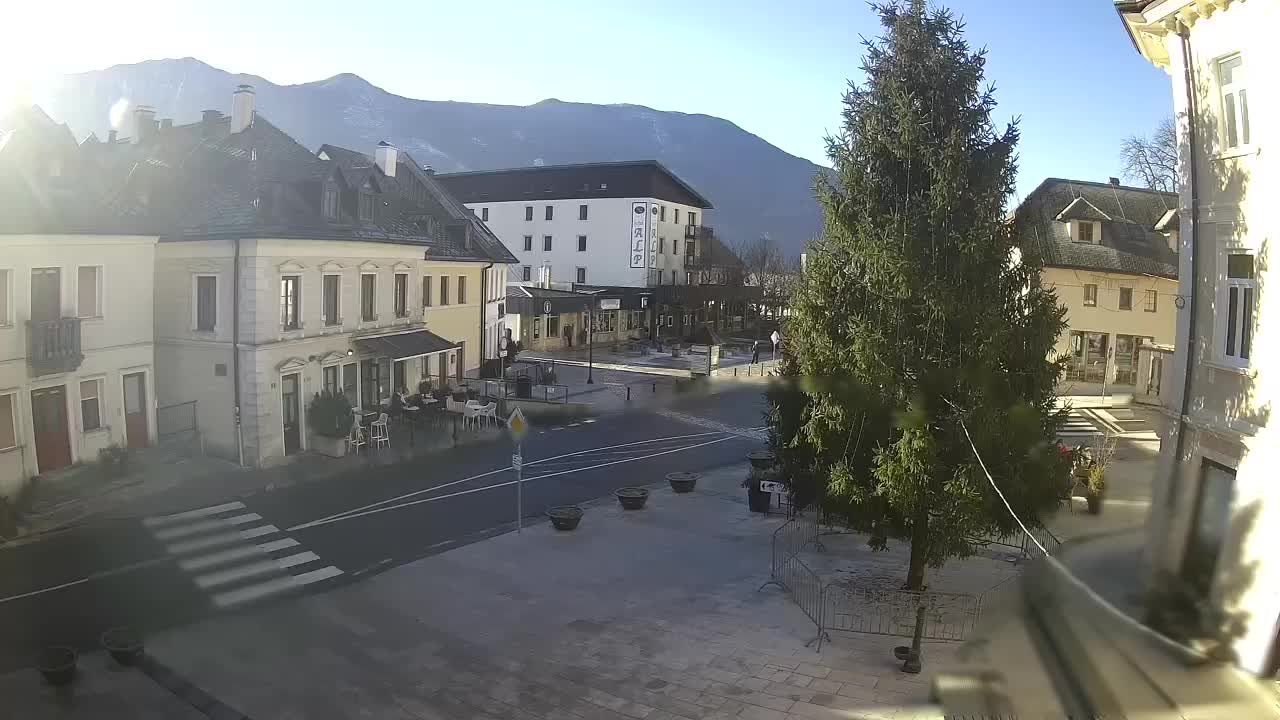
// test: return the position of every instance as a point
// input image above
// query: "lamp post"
(591, 336)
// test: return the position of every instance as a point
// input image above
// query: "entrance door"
(289, 411)
(46, 293)
(49, 421)
(135, 410)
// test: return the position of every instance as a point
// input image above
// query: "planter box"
(124, 645)
(329, 446)
(57, 664)
(761, 459)
(565, 517)
(632, 498)
(682, 482)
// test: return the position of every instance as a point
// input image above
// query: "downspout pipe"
(235, 348)
(484, 310)
(1190, 245)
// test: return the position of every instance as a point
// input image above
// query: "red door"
(135, 410)
(49, 421)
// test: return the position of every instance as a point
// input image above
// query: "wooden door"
(49, 422)
(136, 428)
(46, 293)
(289, 411)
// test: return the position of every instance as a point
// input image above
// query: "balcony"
(698, 232)
(53, 346)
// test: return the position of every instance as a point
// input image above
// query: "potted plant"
(330, 419)
(565, 517)
(424, 387)
(632, 498)
(124, 644)
(682, 482)
(114, 460)
(1099, 459)
(57, 664)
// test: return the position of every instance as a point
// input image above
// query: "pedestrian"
(755, 352)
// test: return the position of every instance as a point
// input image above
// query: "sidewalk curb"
(184, 690)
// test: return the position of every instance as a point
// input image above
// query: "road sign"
(772, 487)
(546, 307)
(775, 337)
(517, 425)
(517, 461)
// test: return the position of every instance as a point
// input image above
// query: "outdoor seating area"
(407, 420)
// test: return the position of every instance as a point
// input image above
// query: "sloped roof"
(1130, 242)
(1081, 209)
(628, 178)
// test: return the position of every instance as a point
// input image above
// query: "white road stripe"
(205, 526)
(238, 553)
(212, 541)
(273, 587)
(192, 514)
(242, 572)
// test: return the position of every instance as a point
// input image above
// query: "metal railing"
(789, 572)
(178, 423)
(54, 345)
(946, 616)
(506, 390)
(1024, 544)
(760, 369)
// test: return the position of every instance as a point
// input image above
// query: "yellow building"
(1109, 252)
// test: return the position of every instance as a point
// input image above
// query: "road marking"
(205, 543)
(93, 576)
(239, 553)
(273, 587)
(204, 526)
(192, 514)
(243, 572)
(352, 515)
(434, 488)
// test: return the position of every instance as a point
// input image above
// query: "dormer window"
(1084, 232)
(366, 206)
(329, 203)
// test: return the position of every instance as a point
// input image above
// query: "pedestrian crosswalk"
(1077, 425)
(236, 556)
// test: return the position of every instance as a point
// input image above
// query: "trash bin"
(524, 387)
(757, 499)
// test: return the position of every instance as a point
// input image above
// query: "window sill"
(1238, 152)
(105, 430)
(204, 333)
(1221, 366)
(90, 318)
(6, 451)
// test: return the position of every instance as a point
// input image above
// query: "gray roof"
(1129, 243)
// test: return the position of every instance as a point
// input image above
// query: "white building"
(631, 224)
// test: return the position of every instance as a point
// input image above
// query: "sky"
(1065, 67)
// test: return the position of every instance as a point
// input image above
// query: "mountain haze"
(756, 188)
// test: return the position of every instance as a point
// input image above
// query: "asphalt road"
(153, 573)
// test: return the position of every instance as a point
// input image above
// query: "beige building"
(1110, 253)
(1215, 515)
(281, 272)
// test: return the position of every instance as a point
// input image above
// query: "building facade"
(1214, 502)
(629, 224)
(1110, 253)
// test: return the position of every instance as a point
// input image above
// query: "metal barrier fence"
(179, 423)
(788, 571)
(947, 616)
(506, 389)
(1025, 544)
(760, 369)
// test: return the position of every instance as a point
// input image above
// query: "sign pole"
(519, 488)
(518, 427)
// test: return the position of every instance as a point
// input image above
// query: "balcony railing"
(53, 346)
(698, 232)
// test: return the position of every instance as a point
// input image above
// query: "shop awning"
(404, 346)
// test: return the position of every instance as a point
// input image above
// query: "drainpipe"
(484, 308)
(235, 348)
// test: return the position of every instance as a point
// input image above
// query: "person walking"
(755, 352)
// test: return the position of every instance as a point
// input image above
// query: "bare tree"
(1153, 161)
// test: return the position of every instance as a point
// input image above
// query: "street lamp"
(591, 337)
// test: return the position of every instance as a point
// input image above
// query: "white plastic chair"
(379, 433)
(356, 439)
(490, 412)
(471, 414)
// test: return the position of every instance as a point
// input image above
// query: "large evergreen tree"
(918, 312)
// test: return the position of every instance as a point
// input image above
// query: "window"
(206, 302)
(693, 218)
(289, 287)
(582, 274)
(90, 406)
(484, 214)
(1241, 288)
(553, 326)
(550, 212)
(528, 213)
(688, 278)
(426, 291)
(546, 243)
(1126, 298)
(662, 213)
(5, 318)
(398, 381)
(329, 203)
(444, 290)
(1091, 296)
(366, 206)
(373, 381)
(528, 243)
(1084, 232)
(462, 289)
(331, 303)
(673, 277)
(582, 243)
(401, 295)
(1209, 528)
(582, 212)
(537, 327)
(526, 272)
(1235, 102)
(689, 251)
(368, 297)
(349, 383)
(677, 217)
(89, 292)
(8, 423)
(330, 374)
(662, 245)
(1150, 300)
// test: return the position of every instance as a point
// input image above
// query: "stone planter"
(682, 482)
(632, 498)
(334, 447)
(57, 664)
(1094, 501)
(565, 517)
(124, 644)
(761, 459)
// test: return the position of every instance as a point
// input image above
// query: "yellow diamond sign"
(517, 425)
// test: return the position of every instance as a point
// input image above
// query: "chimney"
(111, 136)
(166, 124)
(428, 170)
(385, 156)
(241, 108)
(143, 122)
(1114, 181)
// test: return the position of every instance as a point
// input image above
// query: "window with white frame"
(6, 305)
(1235, 102)
(582, 275)
(401, 294)
(528, 243)
(1126, 298)
(89, 291)
(1150, 301)
(330, 373)
(484, 214)
(90, 405)
(206, 302)
(368, 297)
(8, 421)
(426, 291)
(290, 302)
(332, 303)
(329, 204)
(582, 243)
(1237, 303)
(1090, 295)
(526, 272)
(1084, 232)
(582, 212)
(546, 243)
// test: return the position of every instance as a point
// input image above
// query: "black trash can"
(524, 387)
(757, 499)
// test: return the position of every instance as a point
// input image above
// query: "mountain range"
(756, 188)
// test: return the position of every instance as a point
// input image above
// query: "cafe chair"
(379, 433)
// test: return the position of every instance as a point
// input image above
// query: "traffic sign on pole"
(517, 425)
(517, 461)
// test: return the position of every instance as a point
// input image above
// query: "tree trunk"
(919, 550)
